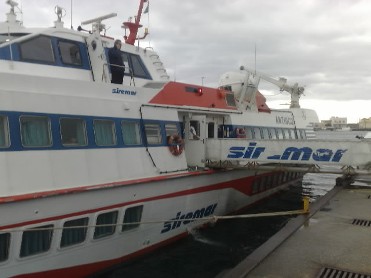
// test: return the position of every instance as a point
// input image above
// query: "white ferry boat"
(94, 173)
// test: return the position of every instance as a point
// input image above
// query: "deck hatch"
(362, 222)
(328, 272)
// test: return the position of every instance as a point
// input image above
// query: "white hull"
(219, 192)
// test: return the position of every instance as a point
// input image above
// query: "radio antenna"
(71, 16)
(255, 58)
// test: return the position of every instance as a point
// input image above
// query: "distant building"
(338, 123)
(365, 123)
(333, 123)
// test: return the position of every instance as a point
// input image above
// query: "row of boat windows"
(38, 240)
(55, 51)
(262, 133)
(37, 131)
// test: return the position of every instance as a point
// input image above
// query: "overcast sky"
(324, 45)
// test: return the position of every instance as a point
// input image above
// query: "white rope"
(212, 219)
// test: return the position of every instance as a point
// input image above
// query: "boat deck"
(332, 241)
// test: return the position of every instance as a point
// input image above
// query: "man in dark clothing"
(116, 63)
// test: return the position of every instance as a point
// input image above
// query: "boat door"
(195, 136)
(98, 59)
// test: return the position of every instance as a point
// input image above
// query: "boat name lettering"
(290, 153)
(123, 92)
(284, 120)
(183, 218)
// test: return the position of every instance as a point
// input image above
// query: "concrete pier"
(332, 241)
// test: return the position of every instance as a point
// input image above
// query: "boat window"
(280, 133)
(231, 101)
(38, 49)
(265, 133)
(249, 132)
(131, 132)
(295, 134)
(4, 246)
(70, 53)
(302, 134)
(153, 134)
(10, 36)
(106, 224)
(74, 231)
(138, 67)
(292, 133)
(257, 134)
(73, 132)
(211, 130)
(4, 132)
(286, 134)
(273, 134)
(104, 132)
(194, 130)
(134, 66)
(35, 131)
(132, 218)
(36, 240)
(171, 129)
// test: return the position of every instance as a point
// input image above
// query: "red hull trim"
(43, 194)
(241, 185)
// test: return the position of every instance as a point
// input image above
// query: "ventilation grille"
(360, 222)
(332, 273)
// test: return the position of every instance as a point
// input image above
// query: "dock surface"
(332, 241)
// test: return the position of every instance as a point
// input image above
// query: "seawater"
(209, 252)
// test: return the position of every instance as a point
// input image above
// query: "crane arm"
(294, 90)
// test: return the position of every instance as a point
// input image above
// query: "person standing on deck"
(116, 63)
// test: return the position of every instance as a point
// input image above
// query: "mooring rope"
(211, 219)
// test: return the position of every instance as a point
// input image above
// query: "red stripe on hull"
(242, 185)
(50, 193)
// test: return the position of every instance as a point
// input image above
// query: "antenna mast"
(134, 26)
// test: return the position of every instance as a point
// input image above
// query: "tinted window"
(4, 246)
(38, 49)
(230, 100)
(73, 132)
(273, 134)
(171, 129)
(35, 131)
(105, 133)
(74, 231)
(106, 224)
(70, 53)
(265, 133)
(131, 132)
(153, 133)
(249, 133)
(4, 132)
(36, 240)
(257, 134)
(132, 218)
(138, 67)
